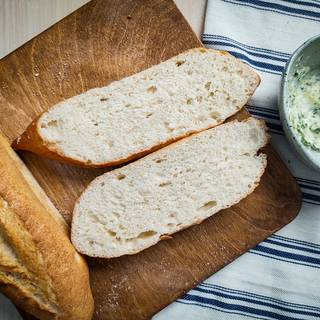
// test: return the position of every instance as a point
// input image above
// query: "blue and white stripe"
(299, 9)
(241, 302)
(287, 250)
(238, 302)
(259, 58)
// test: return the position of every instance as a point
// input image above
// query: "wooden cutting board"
(101, 42)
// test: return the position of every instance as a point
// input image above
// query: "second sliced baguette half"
(130, 209)
(127, 119)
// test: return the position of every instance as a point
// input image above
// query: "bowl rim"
(290, 134)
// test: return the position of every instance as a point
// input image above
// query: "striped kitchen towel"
(279, 278)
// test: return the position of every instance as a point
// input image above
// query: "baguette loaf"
(39, 268)
(129, 209)
(129, 118)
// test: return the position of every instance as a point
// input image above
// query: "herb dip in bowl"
(300, 101)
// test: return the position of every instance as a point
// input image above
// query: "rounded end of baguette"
(31, 141)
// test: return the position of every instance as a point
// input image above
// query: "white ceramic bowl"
(307, 55)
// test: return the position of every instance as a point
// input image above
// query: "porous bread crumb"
(129, 209)
(130, 116)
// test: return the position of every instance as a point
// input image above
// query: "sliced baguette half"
(127, 119)
(130, 209)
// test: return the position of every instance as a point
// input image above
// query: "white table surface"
(21, 20)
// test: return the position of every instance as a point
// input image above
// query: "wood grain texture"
(21, 20)
(103, 41)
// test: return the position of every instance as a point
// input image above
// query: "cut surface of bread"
(129, 209)
(188, 93)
